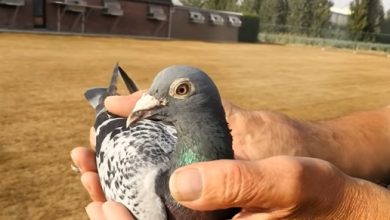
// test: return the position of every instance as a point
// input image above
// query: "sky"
(345, 3)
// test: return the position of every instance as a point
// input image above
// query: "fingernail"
(186, 184)
(72, 155)
(107, 100)
(75, 168)
(75, 165)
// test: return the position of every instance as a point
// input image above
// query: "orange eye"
(183, 89)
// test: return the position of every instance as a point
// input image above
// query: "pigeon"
(187, 98)
(179, 121)
(130, 158)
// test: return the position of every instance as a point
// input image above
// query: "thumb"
(122, 105)
(220, 184)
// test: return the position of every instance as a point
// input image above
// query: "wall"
(133, 21)
(24, 19)
(182, 28)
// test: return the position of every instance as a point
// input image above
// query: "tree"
(309, 17)
(366, 19)
(375, 16)
(321, 17)
(224, 5)
(300, 16)
(385, 29)
(194, 3)
(273, 15)
(251, 6)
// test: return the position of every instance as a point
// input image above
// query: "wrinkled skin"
(265, 185)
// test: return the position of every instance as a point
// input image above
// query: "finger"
(95, 211)
(122, 105)
(116, 211)
(91, 183)
(84, 158)
(215, 185)
(231, 183)
(92, 138)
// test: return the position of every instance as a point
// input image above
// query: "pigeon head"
(177, 91)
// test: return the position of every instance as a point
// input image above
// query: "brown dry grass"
(43, 114)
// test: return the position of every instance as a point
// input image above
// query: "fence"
(334, 36)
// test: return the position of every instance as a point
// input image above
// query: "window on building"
(234, 21)
(217, 19)
(156, 13)
(113, 8)
(75, 5)
(197, 17)
(12, 2)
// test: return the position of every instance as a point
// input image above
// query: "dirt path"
(43, 114)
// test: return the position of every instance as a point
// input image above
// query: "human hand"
(281, 187)
(263, 134)
(288, 187)
(273, 187)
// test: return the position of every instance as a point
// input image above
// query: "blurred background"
(312, 60)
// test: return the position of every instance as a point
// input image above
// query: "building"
(16, 14)
(339, 16)
(150, 18)
(138, 18)
(200, 24)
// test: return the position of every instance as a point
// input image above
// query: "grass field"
(43, 114)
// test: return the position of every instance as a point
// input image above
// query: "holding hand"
(278, 187)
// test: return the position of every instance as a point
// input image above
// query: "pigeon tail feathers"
(96, 96)
(130, 84)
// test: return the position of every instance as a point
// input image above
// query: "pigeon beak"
(144, 108)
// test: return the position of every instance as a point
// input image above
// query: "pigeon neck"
(202, 137)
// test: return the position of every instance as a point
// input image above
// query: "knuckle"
(295, 175)
(238, 186)
(292, 167)
(296, 170)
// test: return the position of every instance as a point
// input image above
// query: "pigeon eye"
(183, 89)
